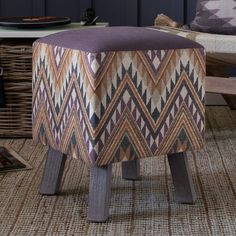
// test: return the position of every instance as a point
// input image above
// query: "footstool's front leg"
(130, 170)
(53, 172)
(99, 193)
(182, 178)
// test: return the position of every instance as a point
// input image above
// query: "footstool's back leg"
(99, 193)
(53, 172)
(131, 169)
(182, 178)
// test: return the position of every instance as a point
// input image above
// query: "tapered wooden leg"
(230, 100)
(53, 172)
(131, 170)
(218, 69)
(99, 193)
(182, 178)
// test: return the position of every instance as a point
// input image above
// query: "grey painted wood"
(230, 100)
(222, 85)
(38, 8)
(99, 193)
(53, 172)
(131, 170)
(182, 178)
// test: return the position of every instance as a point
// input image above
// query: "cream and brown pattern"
(114, 106)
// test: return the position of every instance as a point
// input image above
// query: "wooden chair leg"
(99, 193)
(53, 172)
(182, 178)
(230, 100)
(131, 170)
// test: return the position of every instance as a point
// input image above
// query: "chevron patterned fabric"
(119, 105)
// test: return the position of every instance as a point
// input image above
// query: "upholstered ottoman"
(117, 94)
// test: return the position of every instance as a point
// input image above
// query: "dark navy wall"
(15, 8)
(71, 8)
(125, 12)
(150, 9)
(191, 9)
(122, 12)
(116, 12)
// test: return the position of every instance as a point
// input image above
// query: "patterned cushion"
(215, 16)
(109, 106)
(213, 43)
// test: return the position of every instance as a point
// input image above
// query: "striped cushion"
(213, 43)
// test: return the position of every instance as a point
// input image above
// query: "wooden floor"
(145, 207)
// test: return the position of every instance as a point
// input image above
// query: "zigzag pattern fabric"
(118, 106)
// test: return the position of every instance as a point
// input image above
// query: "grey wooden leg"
(130, 170)
(99, 193)
(53, 172)
(182, 178)
(230, 100)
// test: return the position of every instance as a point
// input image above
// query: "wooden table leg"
(182, 178)
(230, 100)
(131, 170)
(99, 193)
(53, 172)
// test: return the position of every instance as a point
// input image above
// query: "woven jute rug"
(145, 207)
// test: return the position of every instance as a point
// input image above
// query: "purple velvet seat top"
(106, 39)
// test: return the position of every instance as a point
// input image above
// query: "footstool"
(117, 94)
